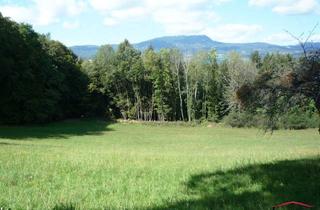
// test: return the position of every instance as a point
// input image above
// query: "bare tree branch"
(300, 40)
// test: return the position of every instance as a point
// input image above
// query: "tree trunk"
(318, 107)
(180, 96)
(128, 104)
(195, 92)
(152, 108)
(187, 89)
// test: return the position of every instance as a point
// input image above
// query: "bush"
(293, 119)
(299, 120)
(244, 119)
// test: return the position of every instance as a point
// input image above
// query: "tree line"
(164, 85)
(42, 80)
(169, 86)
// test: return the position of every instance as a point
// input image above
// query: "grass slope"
(95, 165)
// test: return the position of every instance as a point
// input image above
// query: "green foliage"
(73, 87)
(155, 85)
(299, 121)
(205, 87)
(128, 81)
(239, 73)
(244, 119)
(101, 73)
(295, 118)
(146, 87)
(40, 79)
(299, 118)
(282, 84)
(161, 76)
(256, 58)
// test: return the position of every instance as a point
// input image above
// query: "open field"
(96, 165)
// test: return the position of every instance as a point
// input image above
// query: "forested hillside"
(42, 80)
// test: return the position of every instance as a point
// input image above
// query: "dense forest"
(42, 80)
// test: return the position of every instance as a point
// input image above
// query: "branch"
(301, 42)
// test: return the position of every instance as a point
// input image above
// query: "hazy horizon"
(294, 42)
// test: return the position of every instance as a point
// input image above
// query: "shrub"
(244, 119)
(296, 118)
(299, 120)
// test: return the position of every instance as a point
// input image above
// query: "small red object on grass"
(292, 203)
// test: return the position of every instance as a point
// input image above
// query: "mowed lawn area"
(92, 164)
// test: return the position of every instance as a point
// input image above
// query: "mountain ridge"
(190, 44)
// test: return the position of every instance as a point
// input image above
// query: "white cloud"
(110, 21)
(262, 3)
(108, 5)
(183, 16)
(297, 7)
(233, 32)
(288, 7)
(116, 16)
(177, 21)
(176, 16)
(17, 13)
(315, 38)
(71, 25)
(280, 39)
(44, 12)
(287, 39)
(174, 4)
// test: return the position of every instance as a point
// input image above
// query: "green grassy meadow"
(91, 164)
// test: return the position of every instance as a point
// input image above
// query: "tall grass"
(98, 165)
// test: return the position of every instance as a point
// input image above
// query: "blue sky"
(78, 22)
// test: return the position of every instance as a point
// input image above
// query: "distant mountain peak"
(183, 38)
(190, 44)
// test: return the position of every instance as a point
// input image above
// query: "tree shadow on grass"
(61, 130)
(64, 207)
(254, 187)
